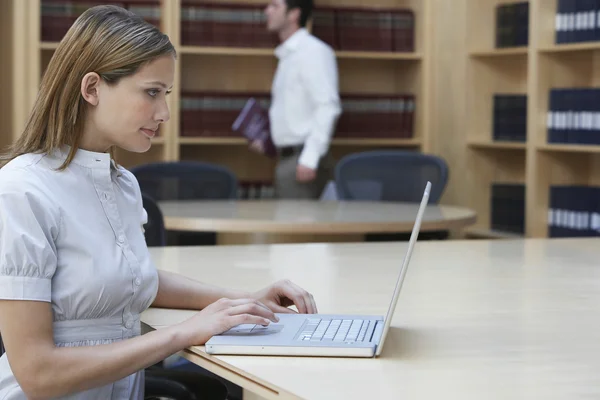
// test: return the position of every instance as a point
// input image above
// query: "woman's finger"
(240, 319)
(293, 294)
(253, 309)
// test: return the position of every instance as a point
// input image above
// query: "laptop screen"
(411, 244)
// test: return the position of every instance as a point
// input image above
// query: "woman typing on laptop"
(75, 272)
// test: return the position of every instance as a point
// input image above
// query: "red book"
(253, 123)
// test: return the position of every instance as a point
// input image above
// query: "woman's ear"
(90, 85)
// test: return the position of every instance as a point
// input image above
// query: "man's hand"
(305, 174)
(257, 146)
(279, 296)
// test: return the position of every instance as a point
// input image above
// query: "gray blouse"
(74, 238)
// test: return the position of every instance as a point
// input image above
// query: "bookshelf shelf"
(491, 234)
(227, 51)
(571, 47)
(263, 52)
(497, 145)
(367, 55)
(569, 148)
(376, 142)
(514, 51)
(48, 45)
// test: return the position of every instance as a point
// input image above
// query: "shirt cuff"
(309, 158)
(25, 288)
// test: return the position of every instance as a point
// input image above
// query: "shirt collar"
(86, 158)
(291, 43)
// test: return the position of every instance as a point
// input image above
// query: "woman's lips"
(149, 133)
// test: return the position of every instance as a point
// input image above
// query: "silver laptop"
(318, 334)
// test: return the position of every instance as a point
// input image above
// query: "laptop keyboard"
(334, 330)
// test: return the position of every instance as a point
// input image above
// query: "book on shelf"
(512, 25)
(210, 23)
(577, 21)
(574, 211)
(210, 113)
(508, 207)
(376, 116)
(509, 121)
(57, 16)
(253, 124)
(574, 116)
(365, 28)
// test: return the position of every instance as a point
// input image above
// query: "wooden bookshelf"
(241, 51)
(532, 70)
(489, 71)
(569, 148)
(514, 51)
(570, 47)
(481, 144)
(6, 55)
(555, 66)
(235, 69)
(48, 45)
(475, 233)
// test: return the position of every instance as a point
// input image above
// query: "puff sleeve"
(29, 226)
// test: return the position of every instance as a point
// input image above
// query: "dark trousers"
(286, 185)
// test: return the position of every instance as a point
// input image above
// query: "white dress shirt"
(74, 238)
(305, 102)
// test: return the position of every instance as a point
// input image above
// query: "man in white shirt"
(305, 103)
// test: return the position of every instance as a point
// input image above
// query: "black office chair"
(187, 180)
(184, 379)
(154, 229)
(392, 175)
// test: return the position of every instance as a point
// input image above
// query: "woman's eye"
(153, 92)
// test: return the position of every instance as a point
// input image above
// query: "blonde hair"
(108, 40)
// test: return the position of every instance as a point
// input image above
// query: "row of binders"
(574, 211)
(509, 122)
(574, 116)
(57, 16)
(212, 113)
(363, 116)
(365, 29)
(508, 207)
(577, 21)
(376, 116)
(221, 24)
(512, 25)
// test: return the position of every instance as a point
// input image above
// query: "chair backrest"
(390, 175)
(330, 192)
(186, 180)
(154, 230)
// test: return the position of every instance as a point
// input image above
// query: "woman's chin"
(140, 146)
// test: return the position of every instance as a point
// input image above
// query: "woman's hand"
(223, 315)
(279, 296)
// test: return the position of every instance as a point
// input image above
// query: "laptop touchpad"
(252, 329)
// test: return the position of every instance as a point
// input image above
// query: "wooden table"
(271, 221)
(514, 319)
